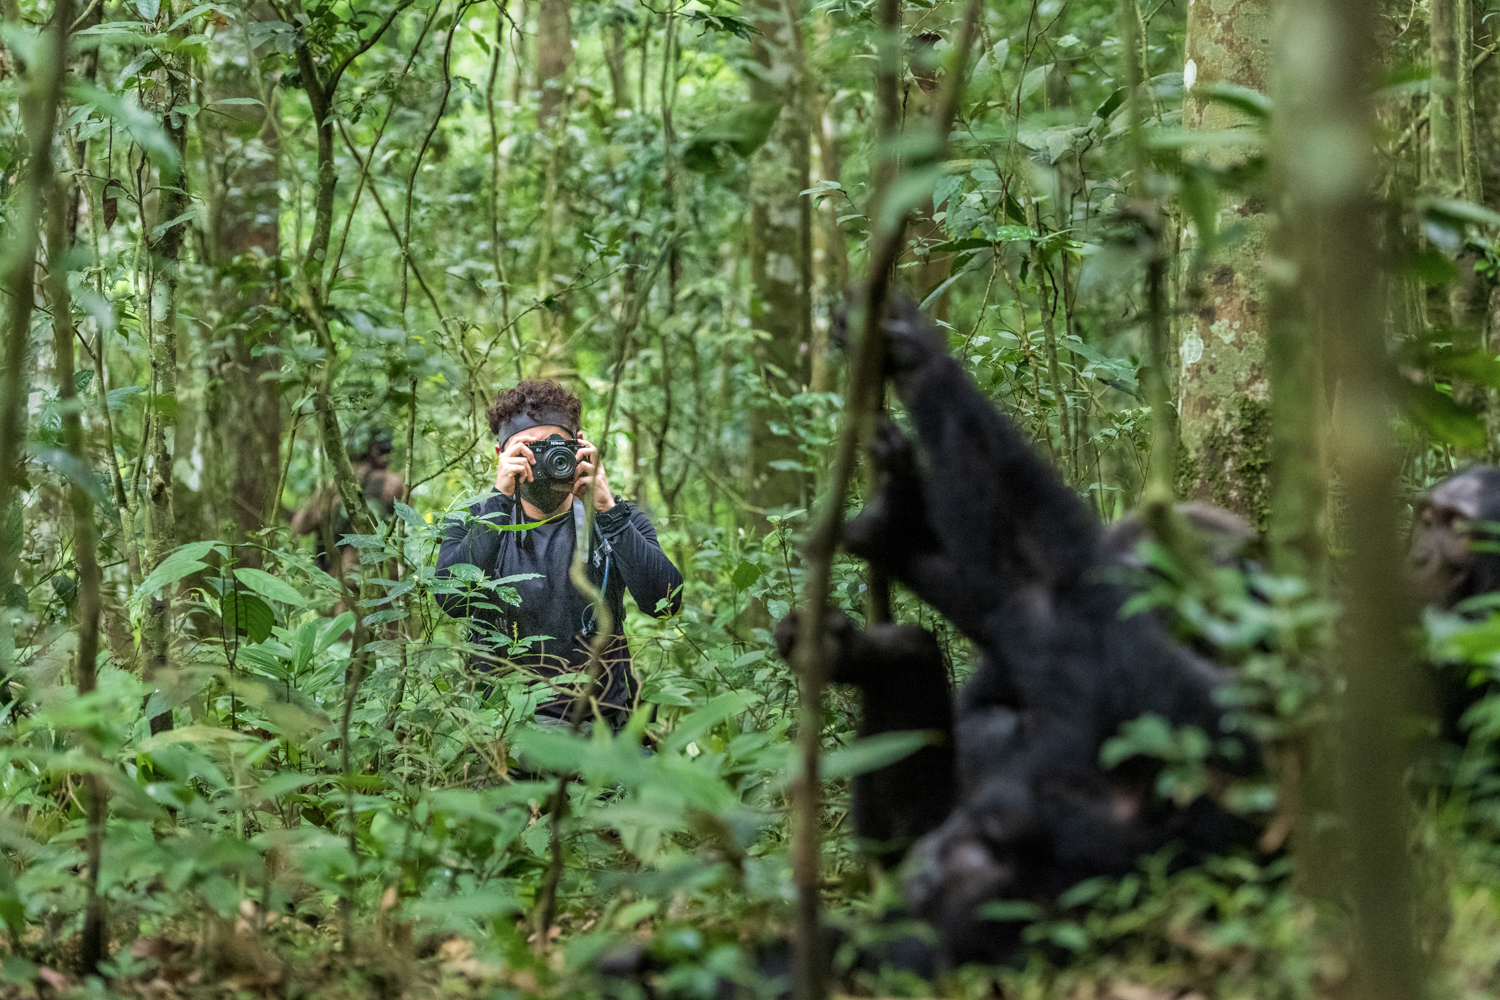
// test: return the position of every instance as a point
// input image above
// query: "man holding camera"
(546, 472)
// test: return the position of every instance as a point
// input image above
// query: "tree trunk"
(615, 49)
(161, 290)
(62, 217)
(40, 93)
(1224, 390)
(1443, 123)
(1328, 168)
(554, 55)
(779, 228)
(245, 252)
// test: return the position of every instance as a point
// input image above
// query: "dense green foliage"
(281, 226)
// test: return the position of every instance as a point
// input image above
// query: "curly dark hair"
(531, 395)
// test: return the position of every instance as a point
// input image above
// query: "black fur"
(1453, 558)
(903, 682)
(981, 528)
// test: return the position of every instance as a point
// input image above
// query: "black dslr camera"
(556, 458)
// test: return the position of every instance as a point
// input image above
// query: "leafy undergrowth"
(246, 846)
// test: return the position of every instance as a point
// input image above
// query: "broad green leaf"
(1443, 418)
(143, 127)
(874, 752)
(303, 644)
(247, 614)
(745, 574)
(180, 562)
(266, 585)
(1009, 910)
(1252, 103)
(75, 470)
(334, 631)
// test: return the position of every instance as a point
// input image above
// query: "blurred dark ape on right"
(974, 522)
(1454, 562)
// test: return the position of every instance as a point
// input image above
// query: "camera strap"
(599, 554)
(600, 550)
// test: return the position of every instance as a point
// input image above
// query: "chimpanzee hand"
(910, 340)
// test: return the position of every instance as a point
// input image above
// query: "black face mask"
(546, 495)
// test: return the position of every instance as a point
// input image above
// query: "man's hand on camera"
(515, 467)
(591, 477)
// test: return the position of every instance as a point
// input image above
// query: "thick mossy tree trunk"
(1224, 389)
(243, 242)
(780, 231)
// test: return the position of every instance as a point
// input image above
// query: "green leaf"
(972, 243)
(1009, 910)
(1252, 103)
(1111, 105)
(12, 907)
(1458, 210)
(303, 644)
(180, 562)
(874, 752)
(202, 8)
(1068, 935)
(911, 189)
(248, 615)
(13, 595)
(75, 470)
(745, 574)
(148, 9)
(410, 516)
(1200, 197)
(744, 130)
(143, 126)
(266, 585)
(1442, 417)
(334, 631)
(1479, 367)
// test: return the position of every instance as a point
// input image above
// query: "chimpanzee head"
(1455, 527)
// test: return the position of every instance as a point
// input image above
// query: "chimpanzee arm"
(997, 507)
(645, 569)
(903, 679)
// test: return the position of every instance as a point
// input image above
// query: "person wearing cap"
(529, 528)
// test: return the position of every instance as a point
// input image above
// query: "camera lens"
(559, 462)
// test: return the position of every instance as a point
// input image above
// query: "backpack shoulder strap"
(598, 546)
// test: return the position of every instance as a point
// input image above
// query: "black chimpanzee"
(976, 524)
(1454, 557)
(1447, 567)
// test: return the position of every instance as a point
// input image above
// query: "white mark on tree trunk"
(1192, 349)
(781, 267)
(1189, 75)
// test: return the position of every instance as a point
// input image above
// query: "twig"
(860, 398)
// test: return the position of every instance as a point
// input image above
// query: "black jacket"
(625, 556)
